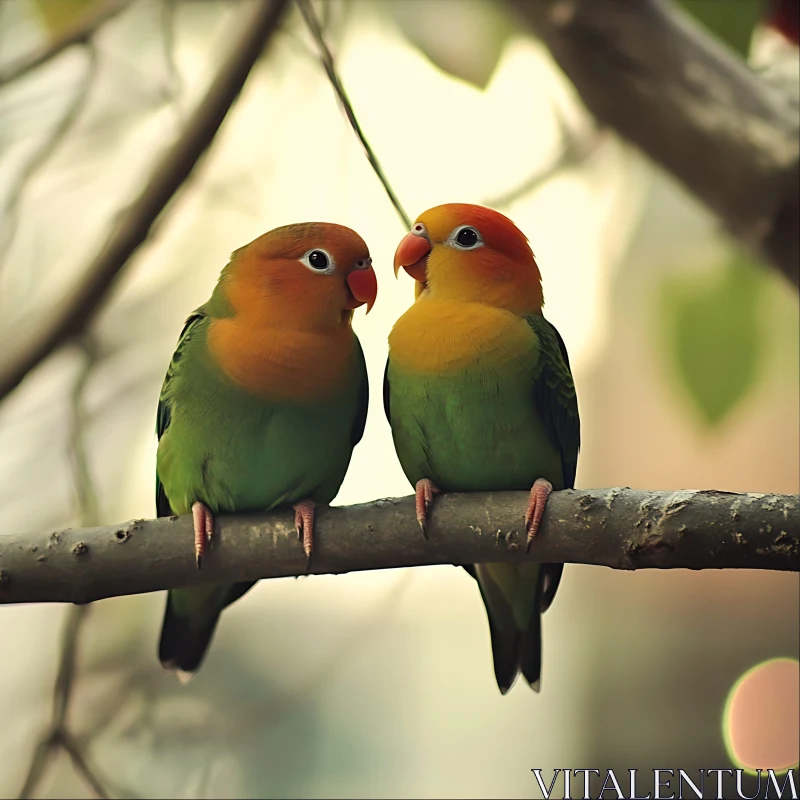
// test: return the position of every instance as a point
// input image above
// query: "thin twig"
(324, 672)
(42, 755)
(79, 33)
(82, 767)
(576, 149)
(326, 57)
(84, 484)
(175, 88)
(46, 151)
(62, 690)
(78, 308)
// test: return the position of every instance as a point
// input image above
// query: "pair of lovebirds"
(266, 397)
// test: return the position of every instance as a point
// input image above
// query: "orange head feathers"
(470, 253)
(310, 275)
(281, 312)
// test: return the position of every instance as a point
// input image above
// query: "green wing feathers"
(360, 419)
(555, 398)
(517, 596)
(191, 615)
(164, 413)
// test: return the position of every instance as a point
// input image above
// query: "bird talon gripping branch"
(540, 491)
(304, 523)
(203, 521)
(426, 490)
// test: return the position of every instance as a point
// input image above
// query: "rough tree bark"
(619, 528)
(652, 74)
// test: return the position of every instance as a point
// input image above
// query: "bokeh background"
(684, 351)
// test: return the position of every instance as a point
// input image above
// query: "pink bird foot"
(203, 530)
(540, 491)
(304, 524)
(426, 490)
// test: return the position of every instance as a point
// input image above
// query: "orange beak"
(363, 285)
(412, 254)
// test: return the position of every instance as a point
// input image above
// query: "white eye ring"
(452, 239)
(313, 255)
(419, 229)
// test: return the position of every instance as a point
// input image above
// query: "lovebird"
(263, 402)
(480, 397)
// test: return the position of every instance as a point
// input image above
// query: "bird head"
(307, 275)
(474, 254)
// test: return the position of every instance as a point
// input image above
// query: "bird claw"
(304, 525)
(203, 521)
(540, 491)
(426, 490)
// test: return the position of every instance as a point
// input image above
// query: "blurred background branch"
(649, 72)
(619, 528)
(57, 734)
(80, 32)
(80, 305)
(46, 150)
(577, 148)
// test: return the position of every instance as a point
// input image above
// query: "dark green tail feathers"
(190, 619)
(515, 600)
(515, 651)
(183, 643)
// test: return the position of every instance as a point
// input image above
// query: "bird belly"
(299, 453)
(477, 430)
(255, 458)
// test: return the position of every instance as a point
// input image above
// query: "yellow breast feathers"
(440, 336)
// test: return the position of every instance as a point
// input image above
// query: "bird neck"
(283, 364)
(444, 336)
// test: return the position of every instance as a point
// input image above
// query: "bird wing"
(164, 413)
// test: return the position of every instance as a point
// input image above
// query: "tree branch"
(648, 71)
(619, 528)
(77, 310)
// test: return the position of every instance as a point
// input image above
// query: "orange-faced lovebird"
(479, 396)
(264, 400)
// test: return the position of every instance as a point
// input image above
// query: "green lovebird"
(264, 400)
(479, 396)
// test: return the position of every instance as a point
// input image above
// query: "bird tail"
(190, 619)
(515, 598)
(529, 651)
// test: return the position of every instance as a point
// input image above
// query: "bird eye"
(319, 261)
(465, 237)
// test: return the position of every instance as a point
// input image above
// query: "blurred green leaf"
(59, 16)
(464, 39)
(713, 333)
(730, 20)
